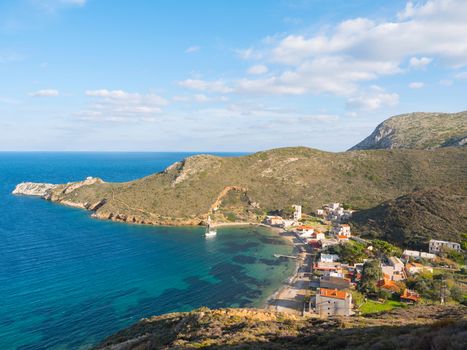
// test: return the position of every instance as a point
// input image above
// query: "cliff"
(418, 131)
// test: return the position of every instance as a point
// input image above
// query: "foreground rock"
(418, 327)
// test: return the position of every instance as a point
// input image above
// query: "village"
(341, 274)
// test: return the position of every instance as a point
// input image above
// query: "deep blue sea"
(67, 281)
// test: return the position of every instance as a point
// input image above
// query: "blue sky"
(219, 75)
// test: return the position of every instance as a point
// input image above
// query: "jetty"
(285, 256)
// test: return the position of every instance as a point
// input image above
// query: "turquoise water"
(67, 281)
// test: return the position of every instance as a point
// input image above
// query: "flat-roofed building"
(332, 302)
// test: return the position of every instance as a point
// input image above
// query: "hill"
(245, 188)
(413, 219)
(425, 327)
(418, 131)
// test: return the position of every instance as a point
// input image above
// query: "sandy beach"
(291, 295)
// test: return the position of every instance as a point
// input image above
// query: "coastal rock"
(33, 189)
(70, 187)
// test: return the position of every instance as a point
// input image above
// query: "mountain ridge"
(184, 193)
(418, 130)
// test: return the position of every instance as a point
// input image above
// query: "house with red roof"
(409, 296)
(332, 302)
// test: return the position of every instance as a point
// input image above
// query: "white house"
(318, 235)
(413, 268)
(297, 215)
(436, 246)
(418, 255)
(329, 258)
(274, 220)
(320, 212)
(305, 231)
(394, 269)
(342, 231)
(330, 302)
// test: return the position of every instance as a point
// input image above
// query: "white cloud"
(258, 69)
(193, 49)
(339, 59)
(122, 106)
(445, 82)
(416, 85)
(74, 2)
(419, 63)
(128, 97)
(203, 85)
(45, 93)
(373, 99)
(431, 28)
(336, 75)
(461, 76)
(249, 54)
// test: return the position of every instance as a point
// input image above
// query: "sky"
(221, 75)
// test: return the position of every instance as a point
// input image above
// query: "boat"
(210, 230)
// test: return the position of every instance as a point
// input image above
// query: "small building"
(314, 244)
(331, 302)
(409, 296)
(394, 269)
(388, 285)
(327, 266)
(413, 268)
(436, 246)
(329, 258)
(418, 255)
(297, 215)
(305, 231)
(342, 231)
(318, 235)
(274, 220)
(319, 212)
(334, 282)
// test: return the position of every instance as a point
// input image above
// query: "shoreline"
(280, 296)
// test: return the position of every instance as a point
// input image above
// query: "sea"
(67, 281)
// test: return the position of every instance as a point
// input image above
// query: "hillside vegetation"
(418, 131)
(412, 219)
(245, 188)
(415, 328)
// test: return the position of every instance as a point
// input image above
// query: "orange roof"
(388, 284)
(345, 225)
(410, 295)
(305, 227)
(343, 237)
(332, 293)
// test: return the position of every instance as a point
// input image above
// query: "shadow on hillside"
(445, 336)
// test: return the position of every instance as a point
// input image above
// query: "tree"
(351, 252)
(386, 248)
(371, 274)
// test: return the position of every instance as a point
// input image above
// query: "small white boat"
(210, 230)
